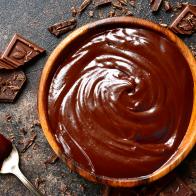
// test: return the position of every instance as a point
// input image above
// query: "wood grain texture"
(50, 67)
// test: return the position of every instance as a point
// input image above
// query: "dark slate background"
(31, 19)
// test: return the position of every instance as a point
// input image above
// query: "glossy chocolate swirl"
(120, 104)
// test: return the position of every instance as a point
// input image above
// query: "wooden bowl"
(57, 57)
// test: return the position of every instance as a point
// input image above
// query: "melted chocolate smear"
(121, 103)
(5, 149)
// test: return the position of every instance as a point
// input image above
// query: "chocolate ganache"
(5, 148)
(120, 103)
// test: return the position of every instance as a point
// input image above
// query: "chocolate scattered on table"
(11, 83)
(63, 27)
(155, 5)
(18, 52)
(185, 22)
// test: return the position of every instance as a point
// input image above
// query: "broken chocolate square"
(63, 27)
(19, 51)
(11, 84)
(185, 22)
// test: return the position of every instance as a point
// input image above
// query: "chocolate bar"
(18, 52)
(10, 84)
(185, 22)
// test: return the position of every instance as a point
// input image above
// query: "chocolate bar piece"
(63, 27)
(185, 22)
(102, 2)
(18, 52)
(10, 84)
(155, 5)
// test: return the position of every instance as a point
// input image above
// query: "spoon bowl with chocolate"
(117, 101)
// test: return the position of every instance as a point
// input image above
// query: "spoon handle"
(26, 182)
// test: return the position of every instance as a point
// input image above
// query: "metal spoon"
(10, 165)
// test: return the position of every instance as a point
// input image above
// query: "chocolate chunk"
(167, 6)
(185, 22)
(63, 27)
(155, 5)
(84, 5)
(11, 84)
(18, 52)
(102, 2)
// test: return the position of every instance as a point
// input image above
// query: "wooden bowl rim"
(189, 139)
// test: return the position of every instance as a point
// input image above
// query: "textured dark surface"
(31, 19)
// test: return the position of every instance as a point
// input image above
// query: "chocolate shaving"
(185, 22)
(102, 2)
(167, 6)
(29, 142)
(11, 84)
(63, 27)
(117, 5)
(155, 5)
(123, 2)
(84, 5)
(51, 160)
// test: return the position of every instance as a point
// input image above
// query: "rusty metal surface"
(31, 19)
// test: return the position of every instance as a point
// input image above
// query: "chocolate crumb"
(167, 6)
(51, 160)
(74, 11)
(91, 13)
(23, 131)
(163, 25)
(38, 182)
(8, 117)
